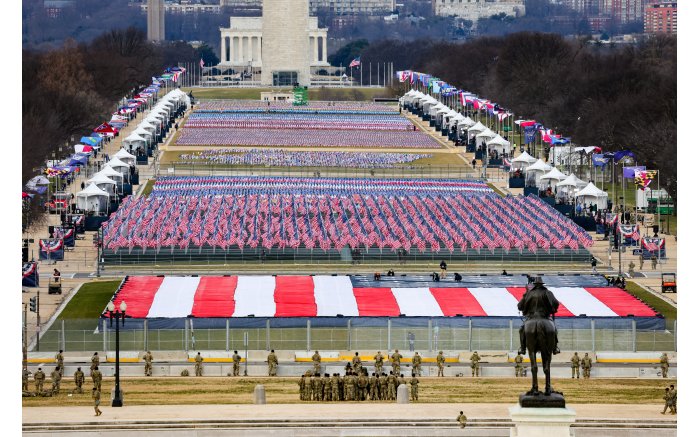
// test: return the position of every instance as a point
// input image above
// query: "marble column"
(324, 53)
(223, 49)
(250, 48)
(312, 43)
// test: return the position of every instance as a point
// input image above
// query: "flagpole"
(361, 68)
(370, 74)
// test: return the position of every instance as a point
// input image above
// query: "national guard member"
(39, 378)
(327, 389)
(362, 387)
(301, 388)
(356, 363)
(59, 361)
(374, 387)
(348, 390)
(97, 378)
(475, 358)
(25, 379)
(316, 358)
(674, 396)
(236, 363)
(272, 363)
(198, 364)
(668, 402)
(96, 396)
(575, 364)
(400, 381)
(341, 387)
(56, 381)
(308, 386)
(396, 361)
(519, 365)
(664, 365)
(417, 364)
(148, 368)
(414, 388)
(316, 386)
(384, 387)
(79, 379)
(378, 363)
(391, 387)
(586, 363)
(335, 391)
(462, 419)
(95, 361)
(441, 364)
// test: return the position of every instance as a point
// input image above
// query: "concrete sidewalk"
(319, 411)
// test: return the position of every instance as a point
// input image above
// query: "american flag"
(355, 62)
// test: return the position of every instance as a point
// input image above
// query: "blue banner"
(599, 160)
(530, 132)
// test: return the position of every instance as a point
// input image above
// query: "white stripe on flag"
(496, 301)
(255, 295)
(334, 296)
(414, 302)
(579, 301)
(174, 298)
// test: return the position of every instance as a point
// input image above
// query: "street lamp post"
(120, 313)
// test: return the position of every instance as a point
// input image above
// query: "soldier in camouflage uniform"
(148, 368)
(378, 363)
(272, 363)
(362, 383)
(374, 387)
(414, 388)
(79, 379)
(416, 364)
(97, 378)
(400, 381)
(39, 378)
(586, 363)
(96, 395)
(25, 379)
(475, 358)
(327, 389)
(198, 364)
(519, 365)
(391, 387)
(396, 361)
(575, 364)
(56, 381)
(341, 387)
(384, 387)
(301, 388)
(441, 364)
(236, 363)
(316, 387)
(316, 359)
(356, 363)
(308, 392)
(95, 360)
(664, 365)
(335, 388)
(462, 419)
(59, 361)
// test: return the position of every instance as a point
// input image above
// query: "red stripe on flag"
(621, 302)
(138, 292)
(378, 302)
(518, 293)
(294, 296)
(214, 296)
(455, 301)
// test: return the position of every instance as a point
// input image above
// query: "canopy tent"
(118, 165)
(478, 127)
(143, 131)
(126, 157)
(93, 198)
(534, 172)
(592, 195)
(521, 161)
(484, 136)
(78, 159)
(91, 141)
(498, 143)
(133, 141)
(111, 173)
(572, 182)
(103, 182)
(551, 177)
(465, 123)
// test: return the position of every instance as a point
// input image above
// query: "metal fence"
(308, 334)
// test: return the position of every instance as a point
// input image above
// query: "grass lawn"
(148, 188)
(89, 302)
(222, 390)
(350, 93)
(660, 305)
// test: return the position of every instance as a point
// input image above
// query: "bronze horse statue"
(538, 332)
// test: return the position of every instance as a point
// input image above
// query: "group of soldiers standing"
(670, 399)
(586, 363)
(354, 386)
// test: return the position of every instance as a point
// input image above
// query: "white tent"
(523, 160)
(484, 136)
(118, 165)
(143, 130)
(103, 182)
(498, 143)
(478, 127)
(111, 173)
(125, 156)
(534, 172)
(551, 177)
(465, 123)
(133, 141)
(572, 182)
(592, 194)
(93, 198)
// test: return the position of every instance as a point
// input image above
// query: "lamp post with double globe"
(117, 314)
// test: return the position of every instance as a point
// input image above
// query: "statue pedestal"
(538, 422)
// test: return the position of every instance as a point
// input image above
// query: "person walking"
(594, 263)
(440, 359)
(95, 361)
(575, 365)
(654, 260)
(198, 364)
(396, 361)
(668, 403)
(236, 363)
(378, 363)
(519, 365)
(79, 379)
(674, 396)
(443, 269)
(96, 397)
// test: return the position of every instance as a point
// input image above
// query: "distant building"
(473, 10)
(624, 11)
(584, 7)
(185, 7)
(156, 20)
(54, 8)
(599, 23)
(661, 18)
(337, 7)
